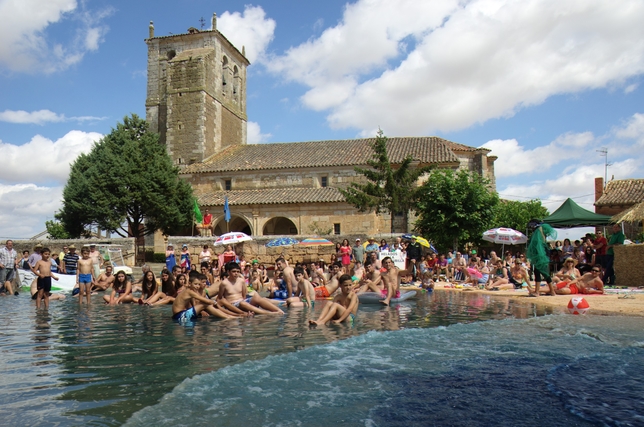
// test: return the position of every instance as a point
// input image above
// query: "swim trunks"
(483, 280)
(573, 288)
(85, 278)
(384, 293)
(304, 300)
(44, 283)
(321, 292)
(236, 303)
(185, 315)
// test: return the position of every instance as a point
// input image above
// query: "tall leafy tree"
(454, 207)
(127, 185)
(516, 214)
(389, 188)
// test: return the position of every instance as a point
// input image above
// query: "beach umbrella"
(421, 241)
(281, 241)
(505, 236)
(232, 238)
(316, 242)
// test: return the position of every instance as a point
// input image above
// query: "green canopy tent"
(570, 215)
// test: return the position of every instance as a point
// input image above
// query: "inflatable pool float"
(375, 298)
(65, 282)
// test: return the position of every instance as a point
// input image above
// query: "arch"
(237, 223)
(279, 225)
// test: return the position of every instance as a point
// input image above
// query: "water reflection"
(112, 361)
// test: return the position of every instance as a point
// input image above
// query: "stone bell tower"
(196, 93)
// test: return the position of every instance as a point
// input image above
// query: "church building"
(196, 101)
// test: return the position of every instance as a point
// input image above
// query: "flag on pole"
(197, 211)
(226, 210)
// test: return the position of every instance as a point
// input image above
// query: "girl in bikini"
(121, 290)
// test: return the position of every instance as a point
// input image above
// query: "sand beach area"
(626, 302)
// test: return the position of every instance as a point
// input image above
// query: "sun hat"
(71, 247)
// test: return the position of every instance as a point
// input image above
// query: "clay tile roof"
(622, 192)
(350, 152)
(273, 196)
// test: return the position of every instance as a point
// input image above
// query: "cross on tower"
(203, 22)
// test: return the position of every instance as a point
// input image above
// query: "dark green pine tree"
(389, 188)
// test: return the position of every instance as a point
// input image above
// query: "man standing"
(35, 257)
(599, 245)
(617, 238)
(413, 256)
(70, 261)
(372, 246)
(97, 260)
(358, 251)
(207, 223)
(8, 266)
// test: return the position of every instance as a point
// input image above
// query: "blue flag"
(226, 210)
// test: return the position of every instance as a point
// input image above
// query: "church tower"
(196, 93)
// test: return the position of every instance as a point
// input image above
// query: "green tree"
(389, 188)
(515, 214)
(454, 207)
(127, 185)
(55, 230)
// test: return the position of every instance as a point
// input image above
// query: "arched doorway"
(279, 226)
(237, 223)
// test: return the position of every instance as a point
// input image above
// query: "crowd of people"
(226, 285)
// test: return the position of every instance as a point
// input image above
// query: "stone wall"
(56, 246)
(628, 262)
(256, 249)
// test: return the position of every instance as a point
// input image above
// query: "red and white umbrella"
(505, 236)
(232, 238)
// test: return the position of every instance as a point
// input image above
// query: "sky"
(546, 85)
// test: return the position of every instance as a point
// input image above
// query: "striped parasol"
(316, 242)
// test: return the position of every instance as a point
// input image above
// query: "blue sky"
(544, 84)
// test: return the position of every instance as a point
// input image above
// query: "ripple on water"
(99, 365)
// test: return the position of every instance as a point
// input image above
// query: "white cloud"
(632, 129)
(576, 181)
(26, 207)
(514, 159)
(41, 160)
(27, 47)
(251, 30)
(416, 67)
(41, 117)
(255, 135)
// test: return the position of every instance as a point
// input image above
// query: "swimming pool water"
(427, 362)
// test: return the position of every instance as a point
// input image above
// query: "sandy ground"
(608, 304)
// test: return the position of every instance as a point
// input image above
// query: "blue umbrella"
(282, 241)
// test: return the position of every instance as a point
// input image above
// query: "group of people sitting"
(514, 272)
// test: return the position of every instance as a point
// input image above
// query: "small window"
(324, 181)
(228, 184)
(336, 228)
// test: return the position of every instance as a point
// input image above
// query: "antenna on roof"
(604, 153)
(202, 22)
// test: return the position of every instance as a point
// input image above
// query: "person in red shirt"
(600, 245)
(207, 223)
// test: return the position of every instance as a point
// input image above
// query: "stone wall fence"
(56, 245)
(256, 248)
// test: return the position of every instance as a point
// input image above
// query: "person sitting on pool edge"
(184, 308)
(343, 306)
(232, 294)
(304, 292)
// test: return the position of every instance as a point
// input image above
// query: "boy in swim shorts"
(329, 289)
(304, 292)
(233, 294)
(43, 271)
(189, 303)
(343, 307)
(85, 276)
